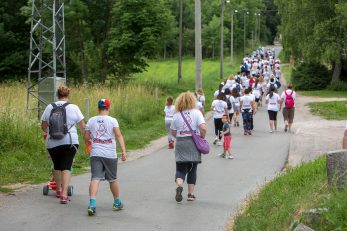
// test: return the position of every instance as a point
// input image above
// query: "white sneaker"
(271, 131)
(219, 143)
(229, 157)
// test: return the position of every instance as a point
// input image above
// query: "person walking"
(187, 157)
(247, 105)
(102, 130)
(226, 138)
(288, 98)
(236, 96)
(219, 108)
(273, 101)
(62, 149)
(169, 111)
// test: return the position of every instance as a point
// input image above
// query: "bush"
(310, 76)
(338, 86)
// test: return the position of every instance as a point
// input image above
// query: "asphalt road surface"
(148, 189)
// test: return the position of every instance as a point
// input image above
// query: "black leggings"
(218, 126)
(186, 169)
(62, 156)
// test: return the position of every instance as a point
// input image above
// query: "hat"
(104, 103)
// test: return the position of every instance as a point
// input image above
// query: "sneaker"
(171, 145)
(64, 199)
(221, 155)
(286, 128)
(238, 124)
(215, 141)
(249, 132)
(271, 131)
(219, 143)
(58, 193)
(235, 125)
(91, 210)
(245, 133)
(229, 157)
(190, 197)
(178, 196)
(117, 206)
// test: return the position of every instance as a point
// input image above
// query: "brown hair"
(185, 101)
(169, 101)
(290, 86)
(200, 91)
(63, 92)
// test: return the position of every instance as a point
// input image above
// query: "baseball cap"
(104, 103)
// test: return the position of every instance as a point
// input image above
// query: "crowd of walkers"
(241, 95)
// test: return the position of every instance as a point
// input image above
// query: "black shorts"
(272, 115)
(62, 156)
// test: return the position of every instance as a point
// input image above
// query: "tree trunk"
(164, 51)
(337, 72)
(198, 55)
(180, 43)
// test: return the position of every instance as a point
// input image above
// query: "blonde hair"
(261, 79)
(231, 77)
(185, 101)
(63, 92)
(169, 101)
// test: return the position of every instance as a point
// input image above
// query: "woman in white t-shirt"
(187, 156)
(257, 91)
(273, 101)
(201, 98)
(62, 151)
(219, 108)
(247, 105)
(236, 97)
(169, 111)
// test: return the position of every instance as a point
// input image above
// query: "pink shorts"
(227, 141)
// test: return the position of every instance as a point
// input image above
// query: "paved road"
(148, 190)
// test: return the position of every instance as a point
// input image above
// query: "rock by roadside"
(313, 136)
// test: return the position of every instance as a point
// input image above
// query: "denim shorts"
(103, 168)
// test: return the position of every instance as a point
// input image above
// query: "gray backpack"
(57, 122)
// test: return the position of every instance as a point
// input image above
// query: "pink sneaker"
(58, 193)
(64, 199)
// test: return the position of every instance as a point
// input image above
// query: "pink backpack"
(289, 100)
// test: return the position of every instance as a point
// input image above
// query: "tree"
(136, 34)
(314, 31)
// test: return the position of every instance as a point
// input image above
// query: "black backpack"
(229, 104)
(57, 122)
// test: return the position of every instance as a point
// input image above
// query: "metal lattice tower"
(47, 64)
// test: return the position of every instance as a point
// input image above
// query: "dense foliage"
(310, 76)
(315, 31)
(113, 39)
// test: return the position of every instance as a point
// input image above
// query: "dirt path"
(313, 135)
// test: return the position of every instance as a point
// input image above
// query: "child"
(227, 138)
(102, 130)
(169, 112)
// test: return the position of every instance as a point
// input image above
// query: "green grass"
(325, 93)
(287, 72)
(336, 110)
(6, 190)
(283, 201)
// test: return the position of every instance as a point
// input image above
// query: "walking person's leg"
(291, 118)
(216, 132)
(181, 172)
(67, 157)
(275, 120)
(285, 113)
(191, 181)
(169, 135)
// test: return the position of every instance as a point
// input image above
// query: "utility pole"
(198, 51)
(180, 42)
(221, 74)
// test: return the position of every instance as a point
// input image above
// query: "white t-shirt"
(169, 112)
(219, 106)
(278, 73)
(247, 102)
(216, 93)
(237, 101)
(194, 118)
(198, 105)
(231, 99)
(102, 136)
(73, 117)
(273, 102)
(228, 84)
(283, 96)
(257, 90)
(201, 99)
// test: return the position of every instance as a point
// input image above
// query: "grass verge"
(284, 200)
(336, 110)
(287, 72)
(325, 93)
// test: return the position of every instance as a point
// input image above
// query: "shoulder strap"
(65, 104)
(53, 105)
(185, 120)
